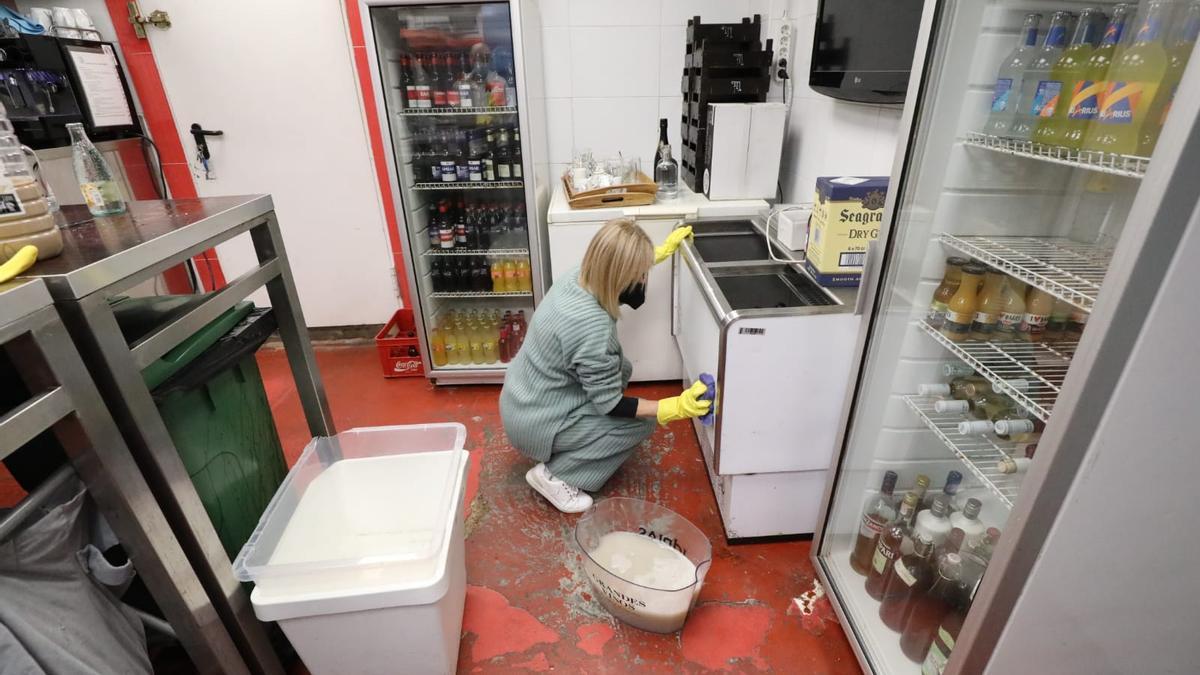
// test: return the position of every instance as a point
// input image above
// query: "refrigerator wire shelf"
(1069, 270)
(477, 252)
(480, 294)
(1041, 365)
(474, 110)
(980, 453)
(1129, 166)
(456, 185)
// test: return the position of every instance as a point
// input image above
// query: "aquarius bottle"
(1066, 73)
(1038, 88)
(1008, 78)
(1131, 87)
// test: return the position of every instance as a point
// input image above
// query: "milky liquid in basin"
(642, 581)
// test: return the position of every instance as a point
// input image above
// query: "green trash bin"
(210, 394)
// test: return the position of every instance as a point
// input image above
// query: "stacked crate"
(725, 63)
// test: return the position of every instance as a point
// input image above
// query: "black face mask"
(633, 296)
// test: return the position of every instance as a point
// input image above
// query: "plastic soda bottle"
(1084, 105)
(437, 345)
(1038, 88)
(1008, 78)
(1178, 53)
(1069, 70)
(1132, 84)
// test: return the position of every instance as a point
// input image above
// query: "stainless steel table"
(103, 257)
(66, 401)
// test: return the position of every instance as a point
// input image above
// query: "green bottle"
(1068, 71)
(1178, 53)
(1085, 96)
(1132, 84)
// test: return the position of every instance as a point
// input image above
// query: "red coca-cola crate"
(399, 348)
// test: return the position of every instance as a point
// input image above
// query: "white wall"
(613, 68)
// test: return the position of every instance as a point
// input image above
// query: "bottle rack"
(471, 185)
(1042, 365)
(440, 112)
(980, 453)
(1068, 270)
(480, 294)
(1129, 166)
(490, 252)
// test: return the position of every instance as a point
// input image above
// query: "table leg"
(98, 337)
(102, 461)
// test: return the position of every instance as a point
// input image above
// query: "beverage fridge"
(1013, 461)
(458, 86)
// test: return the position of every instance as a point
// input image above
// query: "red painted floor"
(529, 605)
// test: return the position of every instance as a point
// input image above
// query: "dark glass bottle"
(888, 548)
(879, 510)
(927, 612)
(908, 577)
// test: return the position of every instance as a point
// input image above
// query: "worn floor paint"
(529, 607)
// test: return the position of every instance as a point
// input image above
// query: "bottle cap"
(940, 507)
(993, 535)
(971, 510)
(951, 406)
(978, 427)
(1018, 384)
(889, 482)
(974, 268)
(922, 545)
(911, 499)
(1006, 465)
(933, 389)
(955, 369)
(953, 482)
(922, 482)
(1008, 427)
(951, 565)
(956, 261)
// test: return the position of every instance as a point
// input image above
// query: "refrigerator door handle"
(867, 278)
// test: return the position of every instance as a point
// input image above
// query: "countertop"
(687, 205)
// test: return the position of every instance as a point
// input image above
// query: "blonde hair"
(620, 255)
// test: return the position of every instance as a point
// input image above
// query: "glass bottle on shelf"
(518, 171)
(1038, 305)
(408, 91)
(511, 285)
(945, 290)
(988, 305)
(450, 81)
(967, 520)
(910, 576)
(489, 160)
(891, 540)
(524, 276)
(1089, 89)
(1008, 78)
(437, 347)
(925, 614)
(1066, 73)
(498, 276)
(933, 523)
(879, 510)
(662, 140)
(422, 92)
(960, 310)
(1037, 87)
(1179, 52)
(666, 174)
(1132, 83)
(1056, 325)
(464, 91)
(437, 89)
(478, 76)
(949, 491)
(100, 191)
(497, 90)
(1012, 310)
(1018, 428)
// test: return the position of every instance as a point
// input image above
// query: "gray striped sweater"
(570, 365)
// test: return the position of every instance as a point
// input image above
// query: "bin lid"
(366, 504)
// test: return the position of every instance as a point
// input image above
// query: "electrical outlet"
(783, 50)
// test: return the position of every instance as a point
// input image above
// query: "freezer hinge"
(157, 18)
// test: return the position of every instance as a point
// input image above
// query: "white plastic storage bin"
(359, 556)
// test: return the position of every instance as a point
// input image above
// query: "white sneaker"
(564, 497)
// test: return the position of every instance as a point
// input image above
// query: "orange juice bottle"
(988, 305)
(1012, 310)
(498, 277)
(511, 284)
(524, 276)
(960, 311)
(1038, 305)
(437, 345)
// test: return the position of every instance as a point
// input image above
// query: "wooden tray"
(640, 193)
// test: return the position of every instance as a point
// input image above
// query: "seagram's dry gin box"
(847, 214)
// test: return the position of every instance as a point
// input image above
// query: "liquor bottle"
(503, 163)
(1018, 428)
(949, 491)
(879, 510)
(666, 174)
(445, 228)
(1066, 73)
(891, 538)
(450, 81)
(435, 240)
(933, 523)
(463, 86)
(421, 86)
(967, 520)
(960, 310)
(1132, 83)
(1037, 87)
(518, 171)
(910, 576)
(1084, 105)
(988, 305)
(1178, 53)
(407, 87)
(489, 159)
(437, 93)
(945, 290)
(1038, 305)
(100, 191)
(1012, 310)
(437, 345)
(926, 613)
(478, 77)
(662, 140)
(1008, 79)
(921, 486)
(460, 228)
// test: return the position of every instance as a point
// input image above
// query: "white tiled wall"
(613, 69)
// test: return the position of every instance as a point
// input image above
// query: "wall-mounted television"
(863, 49)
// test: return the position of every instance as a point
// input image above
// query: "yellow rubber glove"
(684, 406)
(21, 261)
(667, 248)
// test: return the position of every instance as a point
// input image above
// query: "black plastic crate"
(723, 56)
(746, 31)
(705, 89)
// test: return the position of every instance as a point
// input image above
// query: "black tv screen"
(863, 49)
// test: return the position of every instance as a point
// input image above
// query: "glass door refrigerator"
(458, 86)
(1045, 185)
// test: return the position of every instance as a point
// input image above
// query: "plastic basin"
(627, 550)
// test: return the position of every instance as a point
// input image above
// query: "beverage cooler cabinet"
(1047, 180)
(452, 89)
